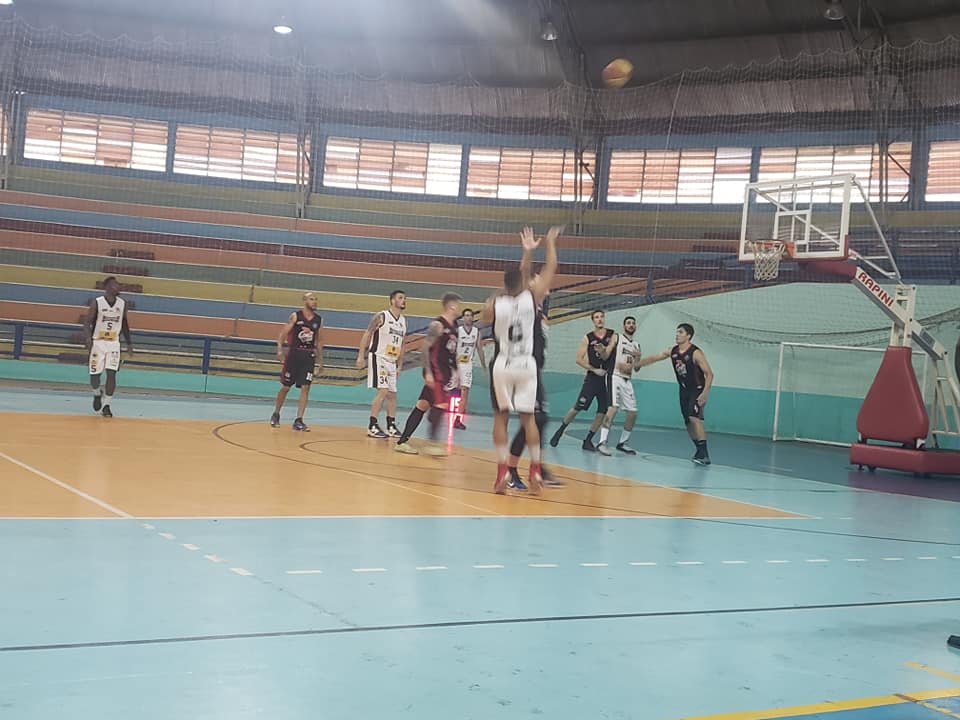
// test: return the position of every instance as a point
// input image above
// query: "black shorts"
(597, 387)
(689, 407)
(439, 393)
(298, 368)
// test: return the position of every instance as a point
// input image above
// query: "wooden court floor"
(184, 468)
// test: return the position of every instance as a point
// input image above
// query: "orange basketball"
(617, 73)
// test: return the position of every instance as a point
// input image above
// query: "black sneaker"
(515, 482)
(97, 402)
(701, 459)
(555, 440)
(275, 420)
(588, 446)
(624, 448)
(458, 424)
(106, 412)
(549, 480)
(375, 431)
(299, 424)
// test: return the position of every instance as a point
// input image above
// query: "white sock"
(107, 399)
(503, 452)
(624, 437)
(97, 391)
(604, 431)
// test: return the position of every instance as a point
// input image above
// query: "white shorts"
(466, 375)
(381, 373)
(513, 387)
(104, 355)
(623, 396)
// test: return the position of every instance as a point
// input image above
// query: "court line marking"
(432, 567)
(832, 706)
(304, 572)
(488, 567)
(369, 570)
(489, 622)
(734, 562)
(932, 670)
(241, 571)
(594, 564)
(69, 488)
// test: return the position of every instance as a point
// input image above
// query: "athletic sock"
(624, 437)
(413, 422)
(589, 438)
(107, 399)
(391, 422)
(604, 432)
(98, 391)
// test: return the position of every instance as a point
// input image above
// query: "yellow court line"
(834, 706)
(933, 670)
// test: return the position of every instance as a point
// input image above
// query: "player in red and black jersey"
(694, 376)
(303, 358)
(439, 377)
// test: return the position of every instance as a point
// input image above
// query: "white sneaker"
(604, 450)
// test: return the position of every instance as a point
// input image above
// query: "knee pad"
(582, 404)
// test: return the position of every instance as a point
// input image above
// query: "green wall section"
(740, 333)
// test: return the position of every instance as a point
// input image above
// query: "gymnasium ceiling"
(497, 42)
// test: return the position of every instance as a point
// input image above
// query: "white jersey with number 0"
(467, 344)
(388, 338)
(513, 323)
(109, 320)
(625, 348)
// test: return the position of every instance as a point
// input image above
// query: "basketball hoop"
(766, 258)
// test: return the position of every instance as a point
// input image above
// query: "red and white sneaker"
(503, 477)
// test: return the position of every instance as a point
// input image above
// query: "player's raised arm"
(529, 243)
(375, 322)
(651, 359)
(544, 280)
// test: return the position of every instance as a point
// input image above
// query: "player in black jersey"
(439, 378)
(695, 377)
(302, 360)
(597, 356)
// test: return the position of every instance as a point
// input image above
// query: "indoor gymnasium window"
(238, 154)
(104, 140)
(705, 176)
(527, 174)
(392, 166)
(943, 172)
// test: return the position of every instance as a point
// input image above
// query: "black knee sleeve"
(519, 443)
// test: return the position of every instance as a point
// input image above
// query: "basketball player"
(302, 360)
(106, 320)
(596, 356)
(695, 377)
(628, 353)
(439, 378)
(468, 337)
(513, 374)
(540, 412)
(383, 341)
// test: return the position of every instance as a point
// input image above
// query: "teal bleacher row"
(615, 260)
(70, 297)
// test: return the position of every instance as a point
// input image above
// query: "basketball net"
(766, 258)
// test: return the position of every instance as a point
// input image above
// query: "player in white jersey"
(468, 339)
(106, 320)
(513, 373)
(627, 358)
(381, 350)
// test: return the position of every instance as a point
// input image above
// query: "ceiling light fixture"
(548, 31)
(6, 2)
(281, 28)
(834, 10)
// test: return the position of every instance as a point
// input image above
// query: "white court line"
(69, 488)
(688, 562)
(542, 565)
(777, 562)
(643, 564)
(167, 536)
(241, 571)
(147, 526)
(595, 564)
(190, 546)
(817, 560)
(926, 557)
(488, 567)
(304, 572)
(431, 567)
(369, 570)
(856, 559)
(733, 562)
(214, 558)
(891, 559)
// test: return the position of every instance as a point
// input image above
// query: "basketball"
(617, 73)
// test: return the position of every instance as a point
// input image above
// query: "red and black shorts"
(439, 392)
(689, 407)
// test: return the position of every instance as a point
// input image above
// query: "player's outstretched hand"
(555, 232)
(528, 239)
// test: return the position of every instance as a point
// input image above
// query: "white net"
(766, 259)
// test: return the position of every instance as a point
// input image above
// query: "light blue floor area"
(492, 617)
